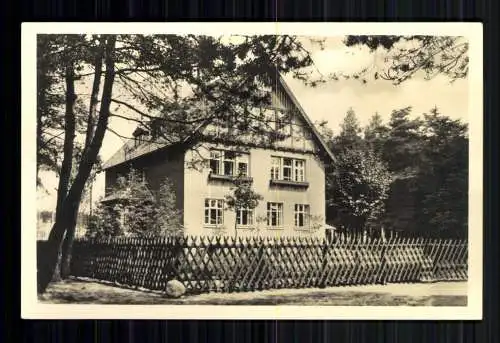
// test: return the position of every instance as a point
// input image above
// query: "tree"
(357, 181)
(408, 55)
(429, 159)
(403, 146)
(138, 211)
(144, 76)
(243, 198)
(376, 134)
(104, 223)
(444, 181)
(350, 133)
(357, 189)
(325, 132)
(402, 151)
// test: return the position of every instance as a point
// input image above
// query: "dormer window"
(140, 136)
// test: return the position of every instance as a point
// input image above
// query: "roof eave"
(304, 115)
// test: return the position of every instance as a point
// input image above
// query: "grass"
(82, 292)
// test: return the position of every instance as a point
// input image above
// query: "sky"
(329, 101)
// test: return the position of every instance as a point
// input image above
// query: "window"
(228, 163)
(274, 214)
(301, 215)
(298, 170)
(215, 161)
(275, 168)
(139, 139)
(229, 160)
(244, 217)
(288, 169)
(214, 211)
(143, 177)
(242, 164)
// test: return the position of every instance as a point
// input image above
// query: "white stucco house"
(290, 175)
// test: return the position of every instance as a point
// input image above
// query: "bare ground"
(423, 294)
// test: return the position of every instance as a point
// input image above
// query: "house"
(289, 174)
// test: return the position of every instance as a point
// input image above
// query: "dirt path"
(423, 294)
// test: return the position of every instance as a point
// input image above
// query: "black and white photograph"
(252, 170)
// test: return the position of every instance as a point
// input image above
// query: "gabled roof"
(129, 151)
(306, 118)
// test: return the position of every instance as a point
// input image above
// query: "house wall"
(156, 168)
(198, 187)
(171, 168)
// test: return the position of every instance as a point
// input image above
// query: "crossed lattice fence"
(225, 264)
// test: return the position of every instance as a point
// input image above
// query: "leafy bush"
(137, 211)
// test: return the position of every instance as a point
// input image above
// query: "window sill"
(228, 178)
(275, 228)
(217, 227)
(302, 228)
(289, 183)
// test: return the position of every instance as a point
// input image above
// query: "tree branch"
(90, 156)
(93, 97)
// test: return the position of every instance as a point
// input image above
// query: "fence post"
(324, 263)
(383, 262)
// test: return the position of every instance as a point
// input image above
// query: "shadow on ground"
(82, 292)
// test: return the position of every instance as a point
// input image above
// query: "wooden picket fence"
(225, 264)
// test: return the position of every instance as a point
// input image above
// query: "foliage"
(358, 181)
(408, 55)
(350, 133)
(243, 196)
(52, 64)
(429, 157)
(357, 188)
(138, 211)
(376, 134)
(325, 132)
(104, 223)
(421, 168)
(402, 147)
(445, 181)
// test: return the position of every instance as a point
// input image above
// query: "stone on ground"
(175, 289)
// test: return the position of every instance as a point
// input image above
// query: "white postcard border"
(32, 309)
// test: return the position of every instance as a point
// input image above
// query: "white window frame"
(287, 167)
(275, 168)
(297, 173)
(230, 160)
(216, 155)
(239, 158)
(279, 208)
(304, 211)
(250, 217)
(219, 206)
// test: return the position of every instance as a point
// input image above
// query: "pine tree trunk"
(49, 261)
(70, 204)
(67, 246)
(47, 272)
(69, 138)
